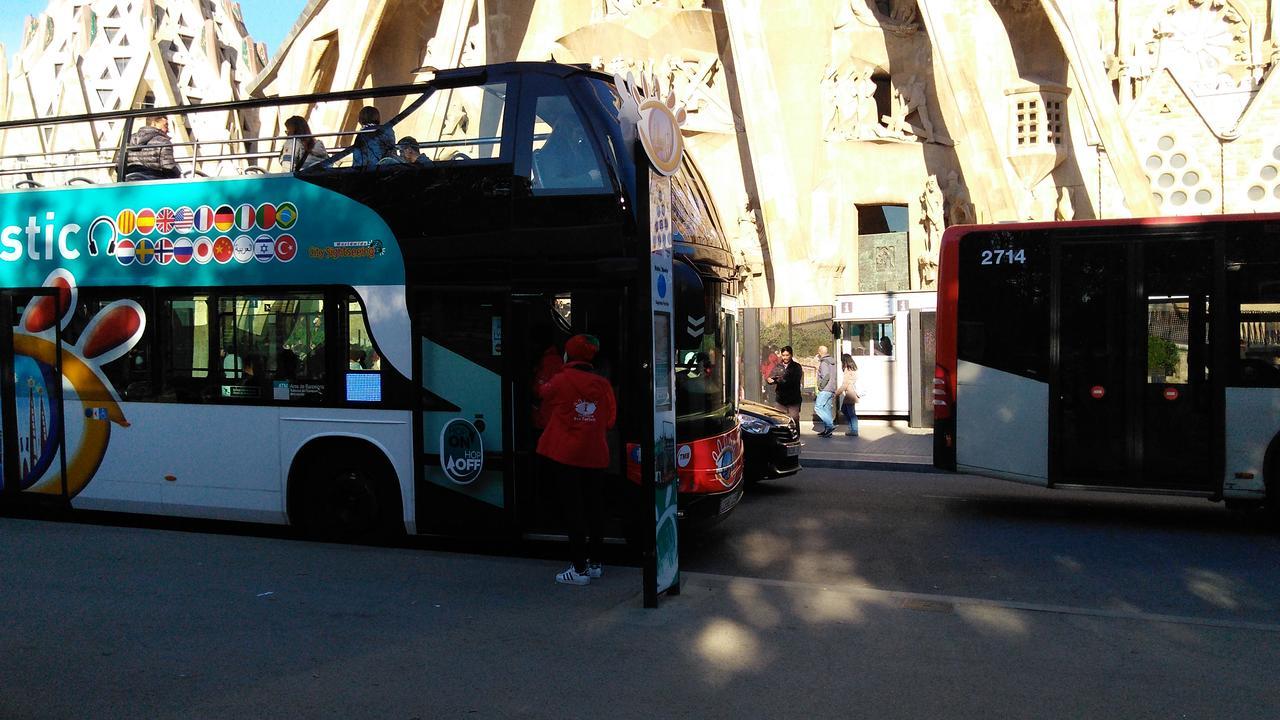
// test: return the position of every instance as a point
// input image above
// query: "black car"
(770, 440)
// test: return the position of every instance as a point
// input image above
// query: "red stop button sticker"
(1171, 393)
(1098, 392)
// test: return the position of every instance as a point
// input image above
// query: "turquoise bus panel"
(273, 230)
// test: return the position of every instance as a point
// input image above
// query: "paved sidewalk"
(880, 445)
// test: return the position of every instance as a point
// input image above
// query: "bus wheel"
(345, 503)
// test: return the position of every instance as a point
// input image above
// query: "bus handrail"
(444, 79)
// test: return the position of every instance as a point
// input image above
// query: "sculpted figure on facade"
(697, 79)
(927, 268)
(894, 16)
(959, 206)
(850, 97)
(931, 213)
(1066, 208)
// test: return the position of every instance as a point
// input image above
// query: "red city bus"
(1136, 355)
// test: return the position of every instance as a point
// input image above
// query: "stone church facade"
(839, 137)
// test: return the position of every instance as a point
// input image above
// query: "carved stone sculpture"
(1065, 209)
(960, 210)
(927, 268)
(931, 215)
(850, 97)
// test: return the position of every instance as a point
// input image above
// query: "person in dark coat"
(786, 379)
(150, 153)
(579, 408)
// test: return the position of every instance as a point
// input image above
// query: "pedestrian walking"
(786, 379)
(579, 408)
(824, 405)
(849, 393)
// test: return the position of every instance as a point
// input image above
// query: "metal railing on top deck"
(117, 164)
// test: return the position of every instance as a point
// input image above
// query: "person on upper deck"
(411, 152)
(302, 150)
(374, 141)
(150, 152)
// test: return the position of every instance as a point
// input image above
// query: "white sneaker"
(595, 570)
(573, 577)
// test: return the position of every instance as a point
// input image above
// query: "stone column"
(777, 69)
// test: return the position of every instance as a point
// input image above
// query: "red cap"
(582, 347)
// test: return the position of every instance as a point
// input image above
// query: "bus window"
(1004, 310)
(129, 374)
(1255, 299)
(185, 373)
(564, 158)
(272, 347)
(364, 366)
(459, 124)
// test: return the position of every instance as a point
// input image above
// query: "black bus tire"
(348, 497)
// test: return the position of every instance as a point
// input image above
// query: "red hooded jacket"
(579, 408)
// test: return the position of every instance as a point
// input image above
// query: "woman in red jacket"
(579, 409)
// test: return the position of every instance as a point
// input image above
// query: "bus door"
(1176, 447)
(464, 478)
(31, 420)
(540, 324)
(1131, 387)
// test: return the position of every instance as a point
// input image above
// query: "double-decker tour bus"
(1128, 355)
(349, 345)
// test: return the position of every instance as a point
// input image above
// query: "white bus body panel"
(1253, 417)
(1002, 424)
(230, 462)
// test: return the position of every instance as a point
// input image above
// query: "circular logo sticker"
(144, 252)
(286, 216)
(203, 220)
(461, 451)
(184, 219)
(266, 216)
(124, 252)
(165, 220)
(243, 249)
(182, 251)
(265, 248)
(286, 248)
(146, 221)
(126, 222)
(164, 251)
(223, 249)
(202, 250)
(224, 218)
(245, 217)
(684, 455)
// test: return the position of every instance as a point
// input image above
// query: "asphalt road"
(834, 594)
(990, 539)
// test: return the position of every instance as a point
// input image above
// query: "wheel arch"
(342, 444)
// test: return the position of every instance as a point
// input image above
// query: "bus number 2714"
(1004, 257)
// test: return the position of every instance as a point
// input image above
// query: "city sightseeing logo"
(110, 334)
(244, 234)
(657, 120)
